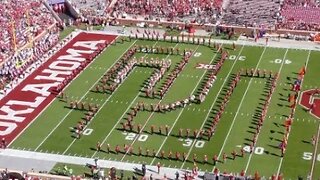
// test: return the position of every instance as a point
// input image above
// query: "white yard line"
(281, 160)
(279, 71)
(237, 112)
(105, 104)
(74, 36)
(124, 113)
(314, 159)
(81, 98)
(135, 139)
(176, 120)
(208, 114)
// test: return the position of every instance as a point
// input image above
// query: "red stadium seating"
(300, 15)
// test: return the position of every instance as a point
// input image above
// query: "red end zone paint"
(31, 96)
(309, 97)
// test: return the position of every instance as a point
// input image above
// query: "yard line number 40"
(240, 58)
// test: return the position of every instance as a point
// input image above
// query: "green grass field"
(51, 130)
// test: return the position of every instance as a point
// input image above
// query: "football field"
(53, 131)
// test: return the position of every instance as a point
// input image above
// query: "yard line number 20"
(132, 136)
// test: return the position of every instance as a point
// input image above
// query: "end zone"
(24, 103)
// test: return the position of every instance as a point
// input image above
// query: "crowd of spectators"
(20, 21)
(200, 11)
(89, 8)
(288, 14)
(300, 15)
(251, 13)
(15, 66)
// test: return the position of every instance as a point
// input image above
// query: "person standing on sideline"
(158, 166)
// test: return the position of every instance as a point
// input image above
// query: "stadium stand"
(300, 15)
(21, 21)
(251, 13)
(200, 11)
(28, 31)
(91, 8)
